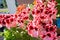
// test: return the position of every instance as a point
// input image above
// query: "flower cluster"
(40, 19)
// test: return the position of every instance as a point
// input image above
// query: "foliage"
(58, 6)
(17, 34)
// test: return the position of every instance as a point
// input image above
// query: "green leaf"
(58, 7)
(30, 17)
(26, 22)
(1, 33)
(31, 6)
(58, 1)
(14, 35)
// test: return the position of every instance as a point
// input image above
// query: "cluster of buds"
(40, 19)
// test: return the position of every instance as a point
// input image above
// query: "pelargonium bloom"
(40, 19)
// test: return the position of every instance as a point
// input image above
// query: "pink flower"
(33, 31)
(13, 24)
(41, 26)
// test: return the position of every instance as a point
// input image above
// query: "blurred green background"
(58, 6)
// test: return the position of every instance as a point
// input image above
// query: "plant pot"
(58, 22)
(58, 25)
